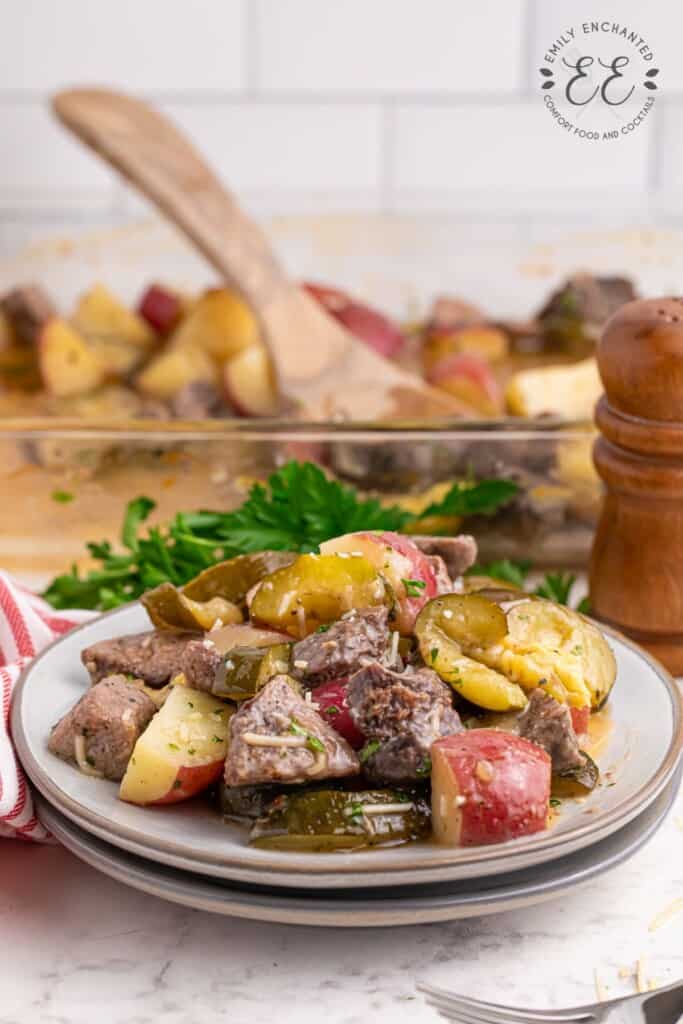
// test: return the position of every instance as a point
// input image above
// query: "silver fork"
(665, 1006)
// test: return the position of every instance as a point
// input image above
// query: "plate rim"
(543, 847)
(470, 904)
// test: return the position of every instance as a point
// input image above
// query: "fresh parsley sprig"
(296, 510)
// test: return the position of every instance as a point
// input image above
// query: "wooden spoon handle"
(150, 152)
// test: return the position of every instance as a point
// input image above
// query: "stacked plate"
(187, 854)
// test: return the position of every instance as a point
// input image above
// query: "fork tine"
(494, 1013)
(455, 1013)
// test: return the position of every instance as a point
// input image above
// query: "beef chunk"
(278, 737)
(359, 636)
(153, 657)
(200, 661)
(108, 719)
(403, 712)
(444, 583)
(459, 553)
(548, 724)
(27, 309)
(589, 299)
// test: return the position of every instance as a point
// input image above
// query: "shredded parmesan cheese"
(401, 808)
(484, 771)
(641, 980)
(81, 761)
(301, 619)
(393, 653)
(218, 624)
(601, 990)
(254, 739)
(664, 916)
(127, 716)
(300, 664)
(447, 613)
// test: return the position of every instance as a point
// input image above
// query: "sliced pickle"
(170, 608)
(218, 592)
(316, 590)
(478, 623)
(328, 820)
(246, 669)
(234, 579)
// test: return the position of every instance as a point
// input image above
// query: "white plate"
(442, 901)
(640, 757)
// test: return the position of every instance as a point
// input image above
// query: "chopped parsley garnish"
(554, 802)
(433, 654)
(90, 760)
(191, 751)
(190, 704)
(414, 588)
(296, 728)
(332, 709)
(366, 752)
(295, 510)
(216, 739)
(313, 743)
(324, 628)
(424, 767)
(173, 746)
(62, 497)
(177, 784)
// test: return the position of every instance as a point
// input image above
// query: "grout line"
(387, 170)
(528, 52)
(252, 64)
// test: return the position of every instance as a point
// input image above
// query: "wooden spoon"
(319, 362)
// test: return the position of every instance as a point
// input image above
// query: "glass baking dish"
(67, 484)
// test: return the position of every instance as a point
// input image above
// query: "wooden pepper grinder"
(636, 573)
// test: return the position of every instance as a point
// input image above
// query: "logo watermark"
(599, 80)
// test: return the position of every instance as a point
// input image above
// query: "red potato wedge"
(368, 324)
(488, 787)
(469, 377)
(580, 719)
(181, 752)
(404, 566)
(332, 706)
(99, 314)
(250, 382)
(161, 308)
(67, 365)
(219, 324)
(170, 371)
(483, 340)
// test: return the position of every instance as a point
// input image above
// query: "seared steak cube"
(153, 657)
(548, 724)
(279, 737)
(200, 661)
(401, 715)
(360, 635)
(99, 733)
(459, 553)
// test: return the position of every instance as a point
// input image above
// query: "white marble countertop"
(77, 948)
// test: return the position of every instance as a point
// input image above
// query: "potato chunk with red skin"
(488, 787)
(334, 709)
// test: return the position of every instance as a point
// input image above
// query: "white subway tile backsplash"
(131, 44)
(385, 45)
(38, 158)
(282, 147)
(508, 148)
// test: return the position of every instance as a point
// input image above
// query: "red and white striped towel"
(27, 624)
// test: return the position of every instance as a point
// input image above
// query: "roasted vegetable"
(316, 590)
(214, 594)
(170, 608)
(487, 787)
(246, 669)
(444, 626)
(327, 820)
(551, 645)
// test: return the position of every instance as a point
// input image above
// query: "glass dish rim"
(508, 429)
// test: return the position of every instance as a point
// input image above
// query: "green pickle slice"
(245, 670)
(327, 820)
